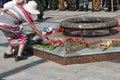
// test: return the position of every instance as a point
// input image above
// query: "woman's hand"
(5, 9)
(39, 33)
(46, 40)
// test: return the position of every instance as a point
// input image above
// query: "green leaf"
(104, 49)
(93, 47)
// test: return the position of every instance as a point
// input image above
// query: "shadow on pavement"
(115, 61)
(19, 69)
(47, 18)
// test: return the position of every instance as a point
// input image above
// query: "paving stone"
(35, 68)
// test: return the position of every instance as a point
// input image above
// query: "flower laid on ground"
(48, 30)
(60, 29)
(115, 43)
(71, 42)
(107, 44)
(60, 44)
(56, 43)
(51, 29)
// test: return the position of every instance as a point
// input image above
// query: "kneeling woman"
(11, 25)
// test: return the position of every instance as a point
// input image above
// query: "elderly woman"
(10, 23)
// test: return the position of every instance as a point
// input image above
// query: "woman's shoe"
(8, 55)
(19, 58)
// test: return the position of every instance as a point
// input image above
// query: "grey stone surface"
(35, 68)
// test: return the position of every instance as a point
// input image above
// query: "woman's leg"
(9, 50)
(9, 53)
(19, 56)
(61, 5)
(81, 5)
(86, 3)
(20, 50)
